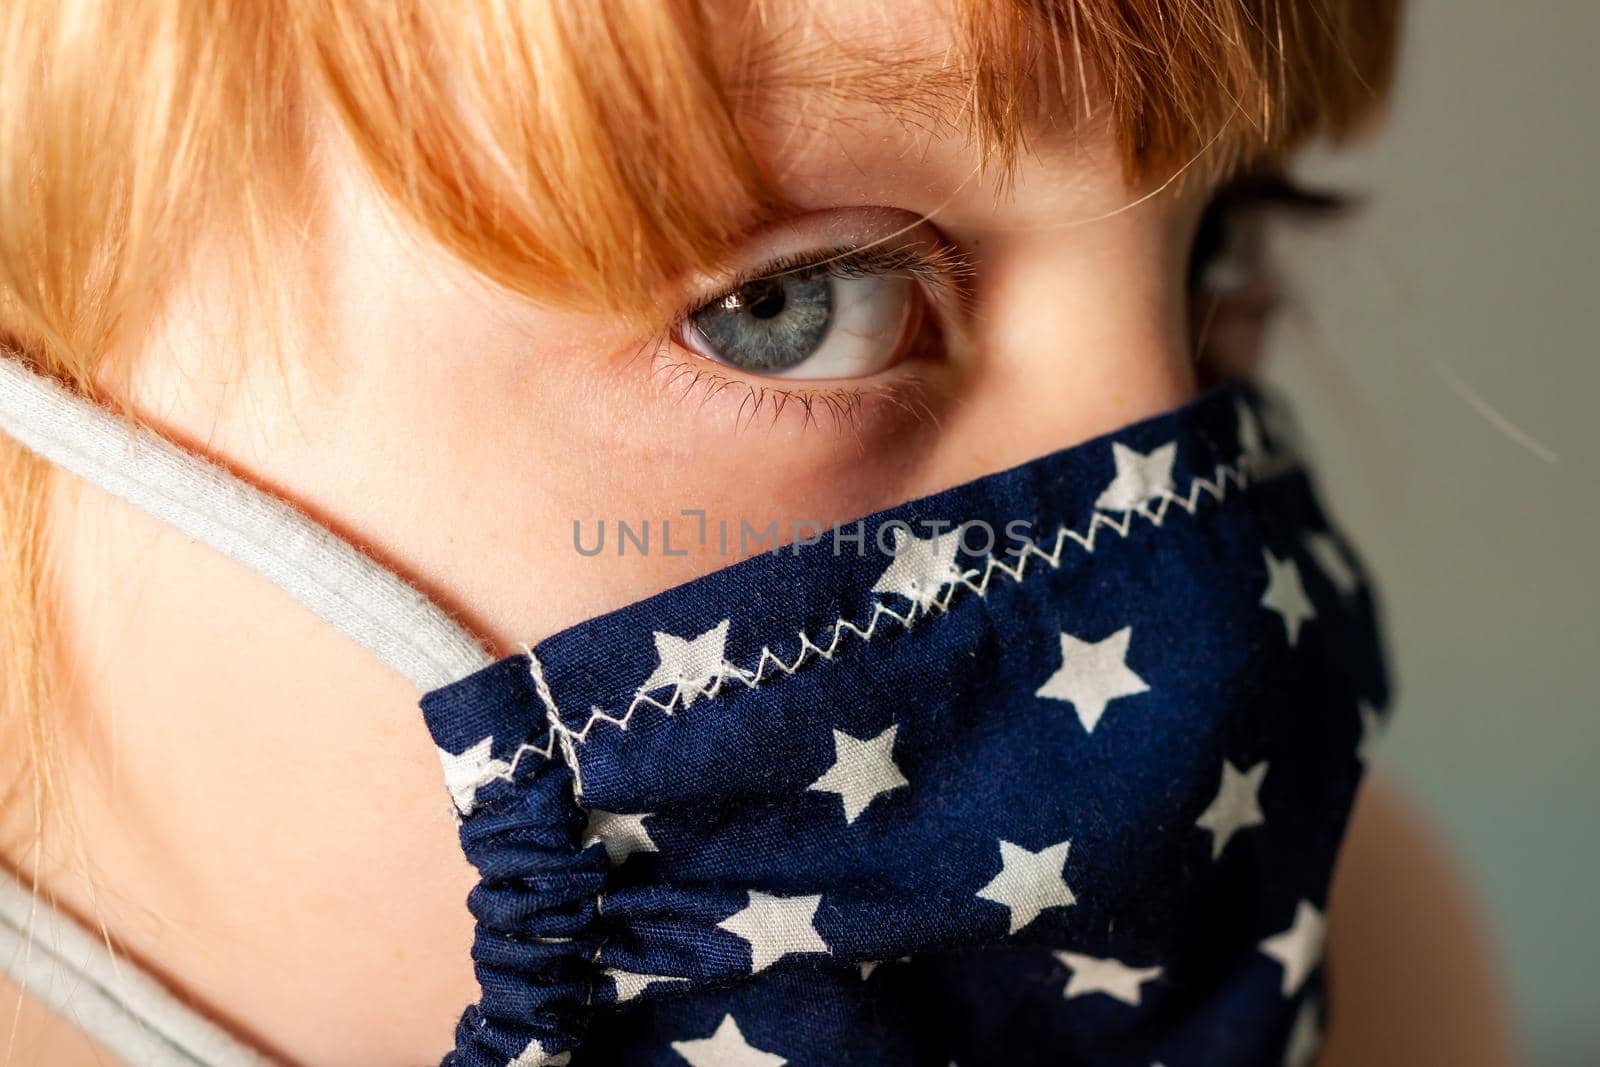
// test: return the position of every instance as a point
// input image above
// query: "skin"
(259, 798)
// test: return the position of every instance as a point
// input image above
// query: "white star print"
(623, 835)
(1139, 477)
(1114, 978)
(535, 1056)
(1305, 1037)
(725, 1048)
(630, 984)
(690, 665)
(465, 774)
(862, 771)
(1092, 674)
(1371, 734)
(922, 566)
(1325, 549)
(1236, 807)
(1298, 948)
(776, 927)
(1286, 595)
(1030, 882)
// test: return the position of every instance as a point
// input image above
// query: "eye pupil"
(764, 298)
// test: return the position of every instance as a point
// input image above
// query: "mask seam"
(1247, 470)
(560, 733)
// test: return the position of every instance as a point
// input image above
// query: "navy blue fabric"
(725, 780)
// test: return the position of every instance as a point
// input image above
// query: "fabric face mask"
(1070, 801)
(1057, 777)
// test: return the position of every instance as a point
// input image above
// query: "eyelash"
(833, 407)
(941, 275)
(941, 272)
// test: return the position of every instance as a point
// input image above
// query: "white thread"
(558, 729)
(1239, 475)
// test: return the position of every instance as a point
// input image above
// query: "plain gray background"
(1433, 333)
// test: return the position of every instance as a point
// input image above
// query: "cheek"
(534, 545)
(1081, 331)
(585, 443)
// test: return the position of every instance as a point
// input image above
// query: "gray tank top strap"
(73, 973)
(329, 576)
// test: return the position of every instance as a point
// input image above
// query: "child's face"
(459, 434)
(463, 432)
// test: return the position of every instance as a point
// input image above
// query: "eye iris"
(770, 324)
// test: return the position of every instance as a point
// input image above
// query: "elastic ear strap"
(75, 975)
(361, 599)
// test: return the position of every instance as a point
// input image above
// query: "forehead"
(890, 91)
(911, 58)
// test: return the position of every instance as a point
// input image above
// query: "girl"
(462, 286)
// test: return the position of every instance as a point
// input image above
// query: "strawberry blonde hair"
(566, 149)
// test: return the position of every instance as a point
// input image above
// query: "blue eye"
(806, 322)
(770, 324)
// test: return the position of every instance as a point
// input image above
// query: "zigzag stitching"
(1155, 510)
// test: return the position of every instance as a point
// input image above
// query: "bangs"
(582, 153)
(568, 150)
(592, 152)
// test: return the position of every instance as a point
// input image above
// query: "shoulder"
(31, 1035)
(1413, 979)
